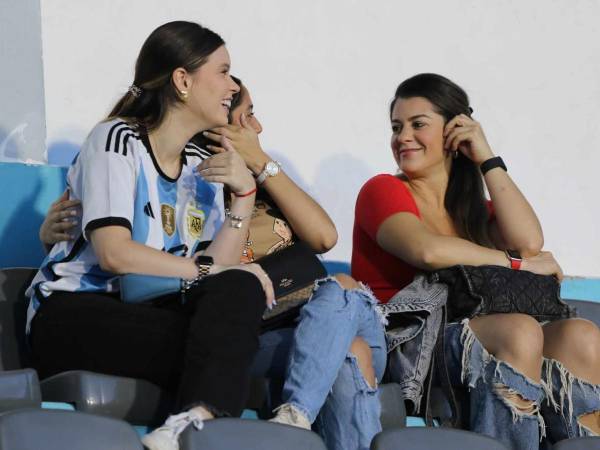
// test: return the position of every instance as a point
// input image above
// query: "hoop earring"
(455, 154)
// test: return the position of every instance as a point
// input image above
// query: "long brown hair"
(170, 46)
(465, 197)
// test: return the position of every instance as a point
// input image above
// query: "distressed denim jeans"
(323, 377)
(559, 399)
(489, 380)
(567, 398)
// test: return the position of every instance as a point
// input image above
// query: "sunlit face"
(211, 89)
(417, 135)
(246, 107)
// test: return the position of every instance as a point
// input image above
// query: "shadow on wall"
(9, 149)
(62, 153)
(27, 192)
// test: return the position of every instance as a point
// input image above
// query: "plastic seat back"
(587, 310)
(13, 311)
(35, 429)
(583, 443)
(429, 438)
(226, 434)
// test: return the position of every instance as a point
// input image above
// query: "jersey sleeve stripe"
(105, 222)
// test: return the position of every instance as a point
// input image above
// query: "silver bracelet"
(235, 221)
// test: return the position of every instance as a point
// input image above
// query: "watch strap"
(515, 259)
(492, 163)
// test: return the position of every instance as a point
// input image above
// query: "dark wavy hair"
(465, 197)
(170, 46)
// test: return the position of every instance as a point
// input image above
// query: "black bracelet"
(492, 163)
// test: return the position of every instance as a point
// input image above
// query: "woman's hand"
(257, 271)
(60, 219)
(466, 135)
(228, 168)
(543, 264)
(244, 139)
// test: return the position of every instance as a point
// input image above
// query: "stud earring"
(183, 95)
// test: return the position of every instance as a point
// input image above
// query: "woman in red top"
(434, 215)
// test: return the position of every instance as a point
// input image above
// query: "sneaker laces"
(289, 410)
(175, 424)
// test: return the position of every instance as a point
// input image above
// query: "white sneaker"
(167, 436)
(288, 414)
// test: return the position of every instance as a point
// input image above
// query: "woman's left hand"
(228, 168)
(244, 139)
(466, 135)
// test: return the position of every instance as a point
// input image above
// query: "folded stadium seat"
(583, 443)
(433, 438)
(226, 434)
(35, 429)
(19, 389)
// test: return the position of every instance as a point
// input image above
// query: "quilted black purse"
(293, 272)
(479, 290)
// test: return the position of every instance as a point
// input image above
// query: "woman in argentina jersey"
(153, 204)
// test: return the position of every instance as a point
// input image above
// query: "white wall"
(322, 74)
(22, 126)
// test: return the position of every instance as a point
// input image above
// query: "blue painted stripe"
(58, 405)
(581, 289)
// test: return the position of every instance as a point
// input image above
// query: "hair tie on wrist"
(246, 194)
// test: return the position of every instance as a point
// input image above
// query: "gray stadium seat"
(433, 438)
(136, 401)
(36, 429)
(19, 389)
(393, 411)
(227, 434)
(587, 310)
(584, 443)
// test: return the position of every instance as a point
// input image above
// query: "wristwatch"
(272, 168)
(515, 259)
(203, 263)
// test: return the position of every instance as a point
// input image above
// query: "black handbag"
(293, 272)
(479, 290)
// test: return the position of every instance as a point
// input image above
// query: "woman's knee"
(362, 351)
(577, 340)
(518, 336)
(234, 290)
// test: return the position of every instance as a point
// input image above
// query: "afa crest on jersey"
(195, 222)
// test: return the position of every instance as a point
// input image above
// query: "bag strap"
(438, 362)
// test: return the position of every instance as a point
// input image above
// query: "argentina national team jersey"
(118, 181)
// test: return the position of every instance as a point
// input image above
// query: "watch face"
(272, 168)
(203, 260)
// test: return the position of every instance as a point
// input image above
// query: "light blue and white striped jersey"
(118, 181)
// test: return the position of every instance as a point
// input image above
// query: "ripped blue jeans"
(557, 401)
(323, 378)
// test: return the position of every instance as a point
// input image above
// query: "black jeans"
(202, 350)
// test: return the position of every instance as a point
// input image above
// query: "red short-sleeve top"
(381, 197)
